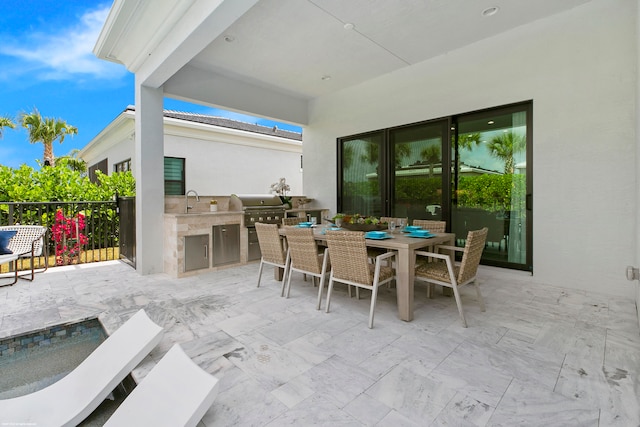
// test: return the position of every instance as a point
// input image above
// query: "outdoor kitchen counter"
(183, 215)
(177, 226)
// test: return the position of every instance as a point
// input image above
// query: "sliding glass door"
(361, 184)
(417, 172)
(471, 170)
(491, 183)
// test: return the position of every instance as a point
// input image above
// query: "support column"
(637, 195)
(149, 174)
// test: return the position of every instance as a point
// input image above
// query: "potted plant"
(357, 222)
(281, 188)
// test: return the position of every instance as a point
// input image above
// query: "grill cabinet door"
(226, 244)
(196, 252)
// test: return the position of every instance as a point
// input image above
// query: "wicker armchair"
(350, 265)
(443, 271)
(29, 242)
(374, 252)
(433, 226)
(273, 252)
(304, 258)
(293, 220)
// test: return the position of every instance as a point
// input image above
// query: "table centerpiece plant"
(357, 222)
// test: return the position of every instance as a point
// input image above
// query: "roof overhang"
(272, 58)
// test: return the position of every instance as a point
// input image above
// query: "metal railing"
(78, 232)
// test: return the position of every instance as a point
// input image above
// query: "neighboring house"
(343, 69)
(211, 155)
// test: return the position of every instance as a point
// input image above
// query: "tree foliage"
(505, 146)
(60, 183)
(493, 193)
(46, 130)
(6, 122)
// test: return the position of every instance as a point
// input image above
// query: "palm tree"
(402, 151)
(468, 140)
(46, 130)
(371, 153)
(505, 146)
(73, 162)
(431, 155)
(6, 122)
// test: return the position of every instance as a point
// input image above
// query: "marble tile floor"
(539, 356)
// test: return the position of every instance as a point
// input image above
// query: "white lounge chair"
(7, 259)
(176, 392)
(75, 396)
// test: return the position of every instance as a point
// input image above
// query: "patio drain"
(264, 358)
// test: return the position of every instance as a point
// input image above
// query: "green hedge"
(59, 183)
(493, 193)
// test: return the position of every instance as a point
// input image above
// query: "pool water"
(33, 361)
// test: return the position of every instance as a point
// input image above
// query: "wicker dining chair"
(295, 220)
(374, 252)
(273, 252)
(431, 225)
(29, 242)
(350, 265)
(434, 227)
(445, 272)
(304, 258)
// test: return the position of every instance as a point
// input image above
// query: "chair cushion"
(385, 272)
(436, 271)
(5, 236)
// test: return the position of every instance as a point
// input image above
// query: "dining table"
(405, 245)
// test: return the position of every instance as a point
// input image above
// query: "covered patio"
(539, 355)
(559, 346)
(340, 69)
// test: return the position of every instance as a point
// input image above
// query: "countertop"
(306, 209)
(204, 213)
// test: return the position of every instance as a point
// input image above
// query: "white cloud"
(67, 54)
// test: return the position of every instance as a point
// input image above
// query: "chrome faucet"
(186, 198)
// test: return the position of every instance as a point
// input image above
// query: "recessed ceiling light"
(490, 11)
(325, 78)
(349, 26)
(490, 122)
(229, 39)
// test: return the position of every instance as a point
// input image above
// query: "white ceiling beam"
(198, 27)
(205, 87)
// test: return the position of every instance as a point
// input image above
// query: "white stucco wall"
(579, 68)
(218, 162)
(214, 167)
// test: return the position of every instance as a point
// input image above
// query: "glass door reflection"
(490, 181)
(418, 180)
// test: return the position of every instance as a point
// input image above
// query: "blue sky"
(47, 62)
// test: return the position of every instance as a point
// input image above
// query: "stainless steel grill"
(266, 208)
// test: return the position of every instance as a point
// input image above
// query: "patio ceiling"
(270, 57)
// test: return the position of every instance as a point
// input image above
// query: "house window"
(101, 166)
(174, 176)
(122, 166)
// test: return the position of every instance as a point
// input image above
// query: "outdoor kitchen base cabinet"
(226, 244)
(196, 252)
